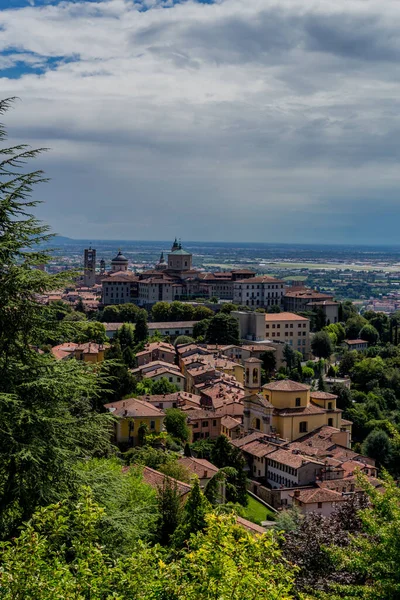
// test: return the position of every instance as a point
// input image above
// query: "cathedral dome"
(120, 258)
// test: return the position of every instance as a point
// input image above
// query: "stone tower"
(89, 272)
(252, 375)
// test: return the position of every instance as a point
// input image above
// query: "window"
(258, 424)
(214, 422)
(330, 422)
(303, 427)
(204, 424)
(298, 401)
(195, 425)
(319, 504)
(170, 379)
(152, 424)
(329, 405)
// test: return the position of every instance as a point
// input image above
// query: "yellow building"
(131, 415)
(291, 410)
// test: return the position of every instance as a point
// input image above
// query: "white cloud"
(209, 121)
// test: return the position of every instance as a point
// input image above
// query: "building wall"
(295, 333)
(289, 427)
(287, 399)
(325, 510)
(258, 294)
(280, 474)
(207, 428)
(127, 428)
(178, 380)
(118, 292)
(96, 357)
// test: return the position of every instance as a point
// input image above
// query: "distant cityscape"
(368, 276)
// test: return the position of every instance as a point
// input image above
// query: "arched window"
(255, 375)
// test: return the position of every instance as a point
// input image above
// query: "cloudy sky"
(248, 120)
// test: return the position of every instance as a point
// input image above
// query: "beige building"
(260, 291)
(297, 299)
(288, 409)
(291, 329)
(278, 328)
(321, 501)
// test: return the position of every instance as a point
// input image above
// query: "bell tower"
(89, 272)
(252, 374)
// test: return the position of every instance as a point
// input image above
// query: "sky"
(248, 120)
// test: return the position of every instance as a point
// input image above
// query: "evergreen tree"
(194, 515)
(169, 507)
(141, 329)
(47, 421)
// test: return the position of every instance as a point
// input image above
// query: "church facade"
(291, 410)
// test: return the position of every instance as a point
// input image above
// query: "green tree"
(163, 386)
(130, 504)
(229, 562)
(223, 329)
(200, 328)
(377, 445)
(170, 510)
(125, 336)
(161, 312)
(369, 334)
(372, 558)
(183, 339)
(128, 312)
(227, 308)
(176, 424)
(194, 515)
(321, 345)
(111, 314)
(354, 326)
(289, 356)
(141, 329)
(344, 400)
(269, 361)
(129, 357)
(202, 312)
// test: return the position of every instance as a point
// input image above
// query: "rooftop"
(314, 495)
(284, 316)
(133, 407)
(285, 385)
(353, 342)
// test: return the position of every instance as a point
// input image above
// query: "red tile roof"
(292, 459)
(312, 496)
(199, 466)
(132, 407)
(286, 385)
(284, 316)
(157, 479)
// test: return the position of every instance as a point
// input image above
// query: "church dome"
(120, 258)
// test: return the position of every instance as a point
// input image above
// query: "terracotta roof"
(346, 422)
(230, 409)
(260, 279)
(63, 350)
(252, 527)
(259, 348)
(312, 496)
(259, 399)
(230, 422)
(194, 414)
(292, 459)
(133, 407)
(156, 480)
(304, 293)
(285, 385)
(252, 359)
(258, 448)
(199, 466)
(322, 395)
(284, 316)
(350, 484)
(90, 348)
(256, 435)
(172, 325)
(353, 342)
